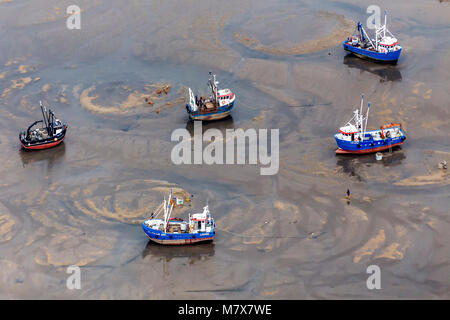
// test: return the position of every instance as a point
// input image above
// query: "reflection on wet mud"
(384, 71)
(221, 124)
(51, 156)
(194, 253)
(350, 164)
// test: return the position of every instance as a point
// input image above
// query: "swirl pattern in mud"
(153, 97)
(130, 202)
(314, 37)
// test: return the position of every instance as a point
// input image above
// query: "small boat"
(353, 138)
(383, 48)
(176, 231)
(50, 134)
(217, 106)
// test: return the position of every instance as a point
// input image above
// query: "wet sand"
(291, 236)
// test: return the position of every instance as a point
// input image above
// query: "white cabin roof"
(388, 41)
(223, 92)
(198, 216)
(348, 129)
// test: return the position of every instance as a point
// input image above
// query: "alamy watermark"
(374, 281)
(73, 22)
(73, 281)
(374, 20)
(189, 150)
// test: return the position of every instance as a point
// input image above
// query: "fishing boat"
(176, 231)
(384, 48)
(51, 133)
(354, 138)
(217, 106)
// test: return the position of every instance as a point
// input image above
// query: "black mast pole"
(50, 122)
(43, 114)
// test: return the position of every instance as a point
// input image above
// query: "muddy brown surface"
(290, 236)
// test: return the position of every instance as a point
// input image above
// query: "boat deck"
(208, 107)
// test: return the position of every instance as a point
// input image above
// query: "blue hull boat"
(217, 106)
(220, 113)
(384, 48)
(370, 144)
(391, 57)
(200, 227)
(354, 139)
(176, 239)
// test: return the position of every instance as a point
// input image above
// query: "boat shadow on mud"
(386, 71)
(221, 124)
(194, 252)
(350, 163)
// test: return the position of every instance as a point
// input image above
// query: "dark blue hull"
(177, 238)
(390, 57)
(368, 145)
(220, 113)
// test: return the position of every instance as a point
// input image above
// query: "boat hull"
(45, 144)
(368, 145)
(177, 238)
(220, 113)
(389, 57)
(366, 151)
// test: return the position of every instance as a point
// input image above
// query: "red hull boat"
(51, 134)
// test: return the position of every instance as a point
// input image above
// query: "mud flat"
(292, 235)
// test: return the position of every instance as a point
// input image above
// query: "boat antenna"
(385, 22)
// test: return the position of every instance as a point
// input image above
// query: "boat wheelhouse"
(354, 138)
(384, 48)
(176, 231)
(50, 134)
(217, 106)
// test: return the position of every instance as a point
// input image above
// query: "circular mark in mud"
(293, 31)
(121, 99)
(69, 217)
(127, 202)
(70, 246)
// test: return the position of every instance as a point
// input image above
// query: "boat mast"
(381, 30)
(51, 119)
(364, 34)
(213, 84)
(367, 117)
(165, 214)
(168, 207)
(359, 119)
(362, 102)
(43, 114)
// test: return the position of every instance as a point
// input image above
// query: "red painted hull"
(341, 151)
(43, 146)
